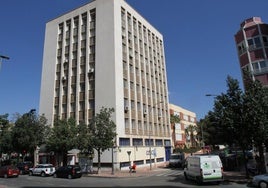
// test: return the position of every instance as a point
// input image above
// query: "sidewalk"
(236, 176)
(141, 172)
(229, 176)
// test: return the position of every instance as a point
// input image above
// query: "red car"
(9, 171)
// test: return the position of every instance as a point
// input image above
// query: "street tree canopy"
(29, 132)
(103, 131)
(63, 137)
(239, 117)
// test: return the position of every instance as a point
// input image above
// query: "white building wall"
(48, 72)
(109, 88)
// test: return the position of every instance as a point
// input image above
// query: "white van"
(203, 168)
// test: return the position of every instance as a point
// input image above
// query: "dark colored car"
(24, 167)
(9, 171)
(69, 171)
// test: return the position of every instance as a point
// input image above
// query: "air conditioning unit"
(126, 109)
(64, 78)
(66, 60)
(145, 112)
(91, 70)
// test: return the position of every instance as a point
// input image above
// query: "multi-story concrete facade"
(180, 138)
(252, 46)
(105, 54)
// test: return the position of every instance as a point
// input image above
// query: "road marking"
(170, 173)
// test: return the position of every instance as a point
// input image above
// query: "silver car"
(42, 170)
(260, 181)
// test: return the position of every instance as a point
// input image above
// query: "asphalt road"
(165, 178)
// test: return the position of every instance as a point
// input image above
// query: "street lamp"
(1, 59)
(202, 132)
(211, 95)
(129, 153)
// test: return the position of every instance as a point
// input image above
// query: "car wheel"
(199, 180)
(30, 173)
(43, 174)
(70, 176)
(263, 184)
(5, 176)
(55, 175)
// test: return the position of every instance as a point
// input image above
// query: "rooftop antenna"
(1, 59)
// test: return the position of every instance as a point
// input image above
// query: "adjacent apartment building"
(184, 132)
(252, 47)
(105, 54)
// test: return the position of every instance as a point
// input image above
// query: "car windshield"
(175, 157)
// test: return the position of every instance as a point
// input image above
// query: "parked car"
(69, 171)
(42, 170)
(176, 160)
(9, 171)
(24, 167)
(260, 180)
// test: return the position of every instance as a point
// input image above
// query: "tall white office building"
(105, 54)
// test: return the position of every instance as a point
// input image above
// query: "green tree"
(29, 132)
(240, 118)
(190, 131)
(63, 137)
(103, 131)
(256, 101)
(5, 135)
(83, 139)
(173, 120)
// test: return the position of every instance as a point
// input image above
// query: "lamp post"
(113, 160)
(1, 59)
(202, 134)
(129, 153)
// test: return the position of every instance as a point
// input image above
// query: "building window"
(137, 142)
(125, 84)
(254, 43)
(133, 124)
(139, 125)
(132, 105)
(260, 67)
(149, 142)
(177, 126)
(167, 142)
(179, 136)
(126, 124)
(265, 40)
(124, 142)
(159, 142)
(91, 104)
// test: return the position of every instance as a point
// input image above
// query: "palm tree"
(190, 132)
(173, 120)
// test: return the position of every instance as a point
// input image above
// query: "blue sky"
(198, 37)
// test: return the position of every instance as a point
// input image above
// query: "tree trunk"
(99, 160)
(245, 163)
(261, 162)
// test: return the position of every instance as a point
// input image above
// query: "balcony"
(261, 71)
